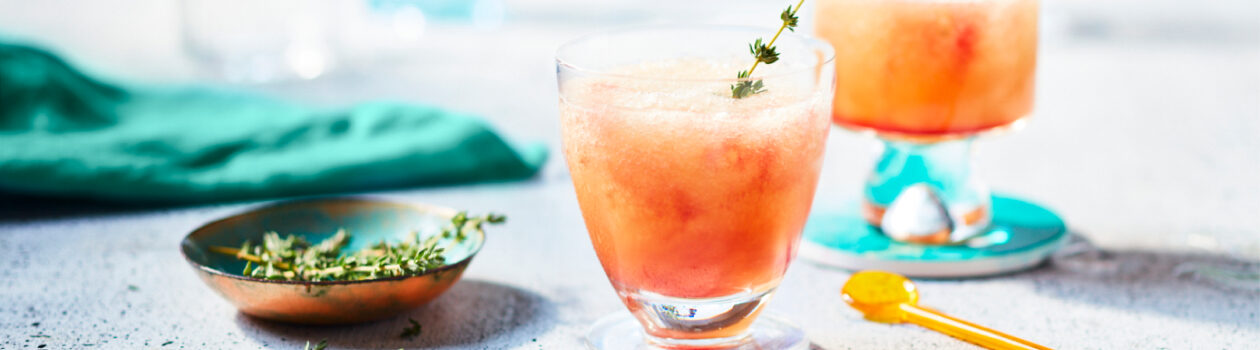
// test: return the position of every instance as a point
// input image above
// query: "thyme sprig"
(411, 331)
(764, 53)
(321, 345)
(292, 258)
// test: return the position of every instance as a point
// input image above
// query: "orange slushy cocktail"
(694, 200)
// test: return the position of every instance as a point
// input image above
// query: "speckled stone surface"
(1146, 138)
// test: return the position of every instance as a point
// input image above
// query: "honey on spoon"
(891, 298)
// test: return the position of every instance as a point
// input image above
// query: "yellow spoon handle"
(971, 332)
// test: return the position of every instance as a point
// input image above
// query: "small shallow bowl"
(325, 302)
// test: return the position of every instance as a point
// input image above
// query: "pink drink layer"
(934, 68)
(687, 192)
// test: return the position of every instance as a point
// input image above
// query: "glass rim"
(828, 52)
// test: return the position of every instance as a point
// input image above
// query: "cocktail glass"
(926, 77)
(694, 201)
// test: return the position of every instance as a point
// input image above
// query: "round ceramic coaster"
(1021, 235)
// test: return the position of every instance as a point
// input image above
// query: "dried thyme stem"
(764, 53)
(776, 35)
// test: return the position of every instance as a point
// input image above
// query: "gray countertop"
(1147, 142)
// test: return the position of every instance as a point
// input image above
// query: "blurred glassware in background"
(375, 30)
(481, 14)
(259, 41)
(268, 41)
(370, 29)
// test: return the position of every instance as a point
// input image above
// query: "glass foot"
(927, 193)
(674, 320)
(1021, 235)
(621, 331)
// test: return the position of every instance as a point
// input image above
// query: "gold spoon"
(891, 298)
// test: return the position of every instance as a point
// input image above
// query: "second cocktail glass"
(694, 200)
(926, 77)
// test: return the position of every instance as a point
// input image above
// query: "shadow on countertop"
(1200, 286)
(472, 312)
(20, 207)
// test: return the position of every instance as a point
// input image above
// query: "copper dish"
(327, 302)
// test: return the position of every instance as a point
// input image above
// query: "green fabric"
(65, 134)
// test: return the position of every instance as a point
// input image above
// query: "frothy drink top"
(690, 85)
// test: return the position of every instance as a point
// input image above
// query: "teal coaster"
(1021, 235)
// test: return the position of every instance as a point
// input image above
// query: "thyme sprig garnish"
(321, 345)
(764, 53)
(292, 258)
(411, 331)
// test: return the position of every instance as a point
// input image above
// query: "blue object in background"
(481, 13)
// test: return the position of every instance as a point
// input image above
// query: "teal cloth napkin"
(65, 134)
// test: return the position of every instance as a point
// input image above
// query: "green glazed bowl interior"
(328, 302)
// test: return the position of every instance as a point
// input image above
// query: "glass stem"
(927, 193)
